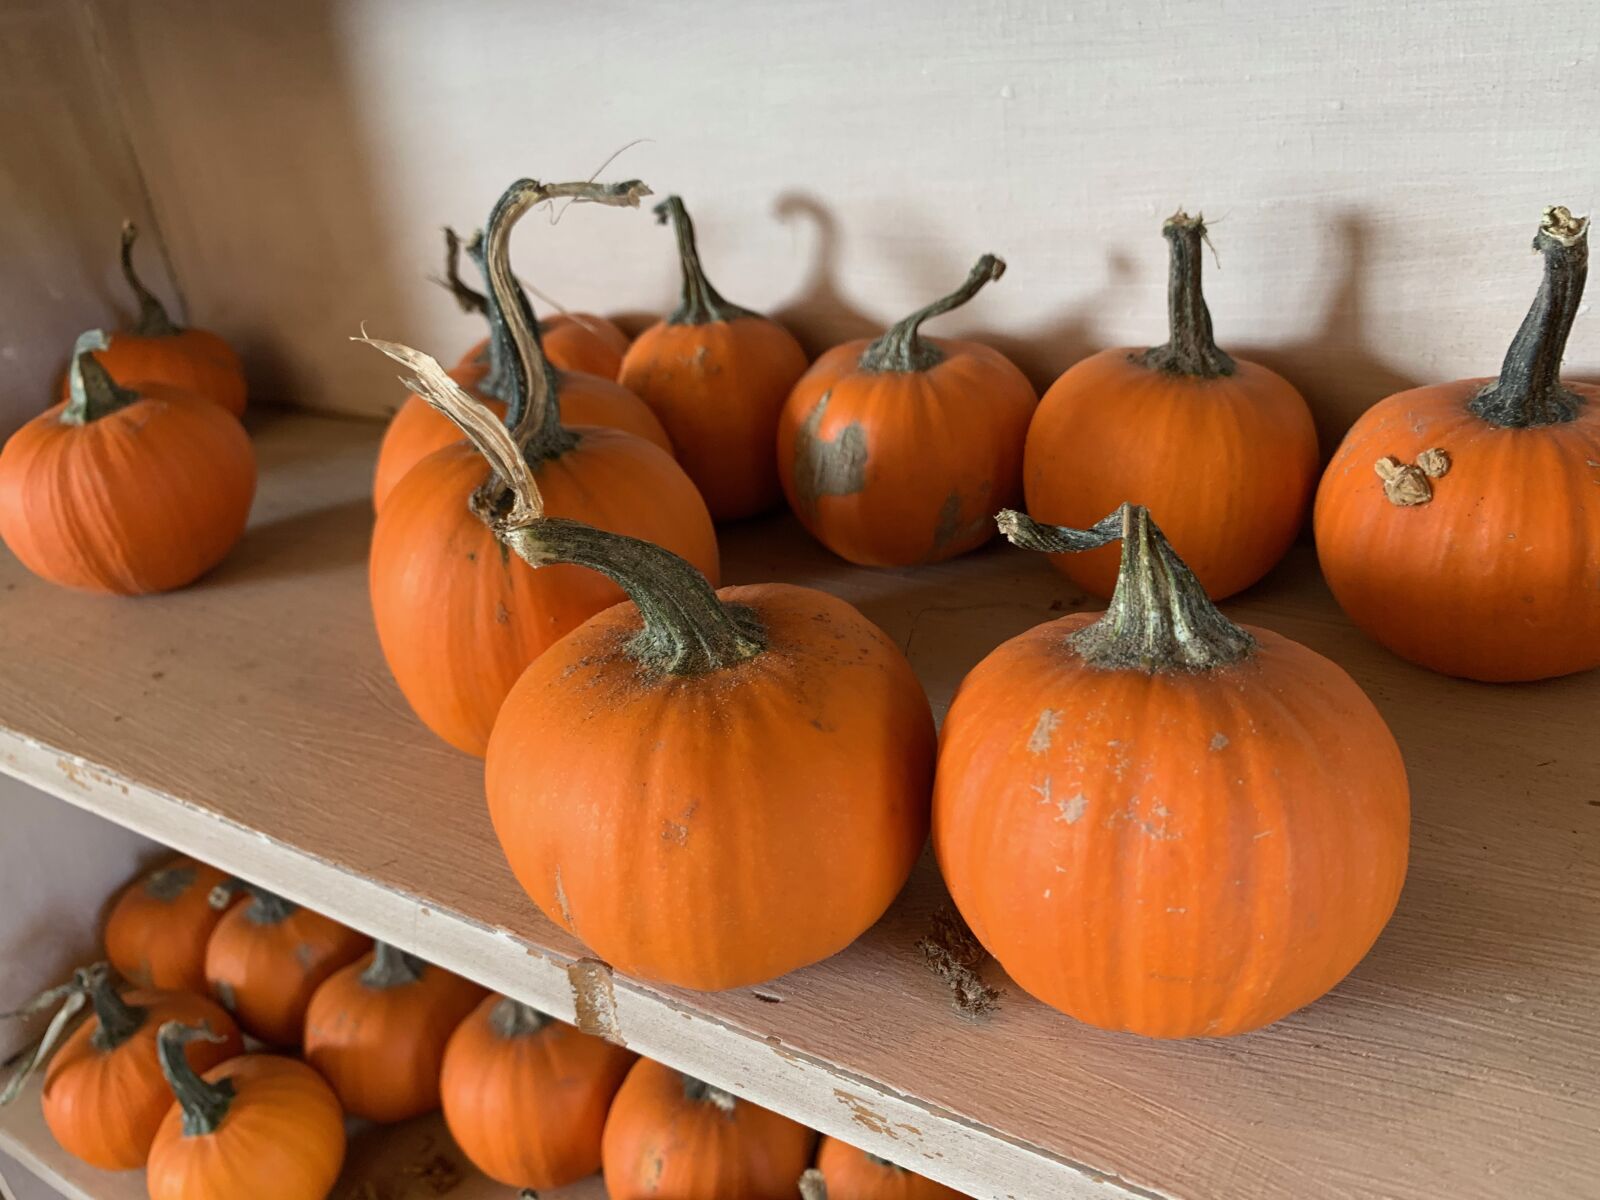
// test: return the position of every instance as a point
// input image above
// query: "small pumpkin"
(760, 754)
(458, 618)
(159, 351)
(266, 958)
(1459, 524)
(1221, 450)
(526, 1096)
(899, 451)
(852, 1174)
(377, 1029)
(672, 1137)
(717, 375)
(583, 396)
(157, 929)
(124, 489)
(103, 1095)
(1162, 822)
(258, 1127)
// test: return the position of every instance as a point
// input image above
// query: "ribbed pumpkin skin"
(265, 974)
(529, 1111)
(104, 1106)
(851, 1174)
(660, 1145)
(571, 342)
(718, 388)
(1494, 578)
(459, 619)
(381, 1049)
(283, 1139)
(192, 360)
(943, 452)
(1172, 854)
(144, 499)
(417, 431)
(157, 930)
(1225, 465)
(780, 802)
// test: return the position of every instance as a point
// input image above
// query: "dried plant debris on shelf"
(955, 956)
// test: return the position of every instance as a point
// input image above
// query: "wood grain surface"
(249, 720)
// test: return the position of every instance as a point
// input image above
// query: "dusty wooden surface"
(249, 719)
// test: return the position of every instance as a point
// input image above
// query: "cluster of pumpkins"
(1155, 819)
(159, 1077)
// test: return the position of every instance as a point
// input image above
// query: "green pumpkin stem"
(1529, 392)
(117, 1020)
(511, 1019)
(168, 883)
(153, 319)
(91, 392)
(700, 1092)
(391, 967)
(1160, 618)
(204, 1105)
(1191, 349)
(702, 304)
(266, 908)
(902, 347)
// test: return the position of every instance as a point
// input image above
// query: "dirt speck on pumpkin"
(828, 468)
(1043, 729)
(561, 901)
(955, 956)
(1219, 741)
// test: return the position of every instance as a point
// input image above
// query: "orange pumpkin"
(852, 1174)
(526, 1096)
(671, 1137)
(717, 375)
(458, 618)
(158, 351)
(377, 1029)
(258, 1127)
(899, 451)
(157, 930)
(759, 754)
(267, 957)
(124, 490)
(1459, 524)
(1162, 822)
(1222, 451)
(103, 1094)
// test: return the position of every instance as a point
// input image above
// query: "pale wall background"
(1375, 170)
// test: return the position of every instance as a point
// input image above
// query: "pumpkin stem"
(91, 392)
(902, 347)
(1159, 618)
(72, 996)
(266, 908)
(812, 1185)
(687, 629)
(1191, 349)
(118, 1020)
(168, 883)
(153, 319)
(885, 1164)
(702, 304)
(391, 968)
(467, 298)
(511, 1019)
(701, 1092)
(204, 1104)
(1529, 392)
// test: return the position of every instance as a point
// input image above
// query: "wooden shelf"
(410, 1161)
(250, 720)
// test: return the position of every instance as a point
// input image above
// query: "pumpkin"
(157, 929)
(458, 618)
(377, 1029)
(1162, 822)
(159, 351)
(1221, 450)
(526, 1096)
(1459, 524)
(672, 1137)
(717, 375)
(124, 489)
(760, 755)
(258, 1127)
(900, 450)
(268, 956)
(103, 1095)
(852, 1174)
(583, 396)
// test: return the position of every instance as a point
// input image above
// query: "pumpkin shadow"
(302, 544)
(821, 316)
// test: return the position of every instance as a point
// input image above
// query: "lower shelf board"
(415, 1160)
(250, 720)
